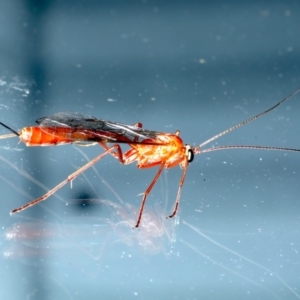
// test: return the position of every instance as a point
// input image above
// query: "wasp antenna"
(249, 120)
(9, 135)
(247, 147)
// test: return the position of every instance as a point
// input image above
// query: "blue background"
(197, 66)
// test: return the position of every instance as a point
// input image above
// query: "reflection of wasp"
(148, 148)
(88, 235)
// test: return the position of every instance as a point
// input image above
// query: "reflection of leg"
(147, 192)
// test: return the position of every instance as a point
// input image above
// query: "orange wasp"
(148, 148)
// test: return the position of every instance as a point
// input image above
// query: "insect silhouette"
(148, 148)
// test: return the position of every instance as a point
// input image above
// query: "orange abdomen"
(37, 136)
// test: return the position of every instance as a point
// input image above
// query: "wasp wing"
(91, 129)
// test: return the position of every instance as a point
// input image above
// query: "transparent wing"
(86, 128)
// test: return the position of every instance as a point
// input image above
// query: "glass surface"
(195, 66)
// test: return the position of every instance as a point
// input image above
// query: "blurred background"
(197, 66)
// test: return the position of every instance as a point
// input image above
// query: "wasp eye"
(190, 155)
